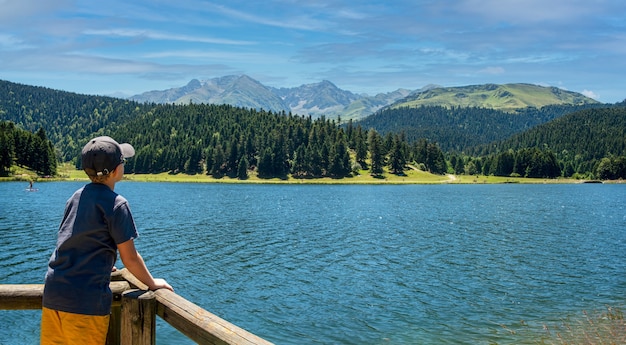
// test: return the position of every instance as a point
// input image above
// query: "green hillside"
(68, 119)
(507, 97)
(583, 142)
(460, 128)
(227, 140)
(589, 134)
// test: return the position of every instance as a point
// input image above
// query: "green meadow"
(67, 172)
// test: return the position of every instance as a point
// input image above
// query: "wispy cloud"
(10, 42)
(155, 35)
(300, 22)
(219, 55)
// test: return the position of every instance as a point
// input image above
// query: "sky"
(120, 48)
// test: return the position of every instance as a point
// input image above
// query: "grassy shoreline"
(66, 172)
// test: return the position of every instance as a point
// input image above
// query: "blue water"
(348, 264)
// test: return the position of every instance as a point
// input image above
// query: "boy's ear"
(117, 169)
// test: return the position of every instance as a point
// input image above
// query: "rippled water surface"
(326, 264)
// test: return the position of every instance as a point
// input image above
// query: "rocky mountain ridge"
(325, 98)
(317, 99)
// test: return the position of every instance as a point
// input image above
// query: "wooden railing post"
(138, 319)
(115, 325)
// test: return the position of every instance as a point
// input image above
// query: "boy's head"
(102, 155)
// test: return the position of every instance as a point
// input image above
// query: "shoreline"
(420, 177)
(67, 172)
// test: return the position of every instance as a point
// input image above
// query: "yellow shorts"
(58, 327)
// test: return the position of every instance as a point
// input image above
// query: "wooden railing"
(134, 310)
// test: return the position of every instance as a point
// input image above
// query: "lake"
(354, 264)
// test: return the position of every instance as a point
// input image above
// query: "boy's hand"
(161, 284)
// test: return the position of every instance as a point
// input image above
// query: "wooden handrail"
(194, 322)
(28, 296)
(200, 325)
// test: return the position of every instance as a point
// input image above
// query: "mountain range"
(325, 98)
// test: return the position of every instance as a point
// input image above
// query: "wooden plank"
(200, 325)
(131, 279)
(20, 296)
(28, 296)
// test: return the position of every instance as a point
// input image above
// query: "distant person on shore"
(96, 224)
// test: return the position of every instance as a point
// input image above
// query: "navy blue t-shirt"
(96, 219)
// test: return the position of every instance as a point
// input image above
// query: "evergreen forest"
(590, 140)
(222, 140)
(460, 128)
(26, 149)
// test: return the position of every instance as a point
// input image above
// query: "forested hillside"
(21, 147)
(591, 140)
(457, 129)
(222, 140)
(69, 119)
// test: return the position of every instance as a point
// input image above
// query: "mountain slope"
(315, 99)
(323, 96)
(590, 134)
(459, 128)
(69, 119)
(240, 91)
(506, 97)
(368, 105)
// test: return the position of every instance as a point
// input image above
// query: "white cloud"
(133, 33)
(590, 94)
(10, 42)
(299, 22)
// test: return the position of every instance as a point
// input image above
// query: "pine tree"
(242, 170)
(339, 157)
(314, 159)
(7, 152)
(219, 158)
(266, 167)
(435, 161)
(420, 151)
(299, 167)
(397, 159)
(504, 164)
(377, 153)
(233, 156)
(360, 148)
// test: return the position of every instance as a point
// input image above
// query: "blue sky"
(129, 47)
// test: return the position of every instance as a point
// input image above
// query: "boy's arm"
(135, 264)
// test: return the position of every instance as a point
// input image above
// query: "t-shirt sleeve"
(123, 225)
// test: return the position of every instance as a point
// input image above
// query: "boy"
(96, 224)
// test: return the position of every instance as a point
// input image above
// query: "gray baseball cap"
(102, 155)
